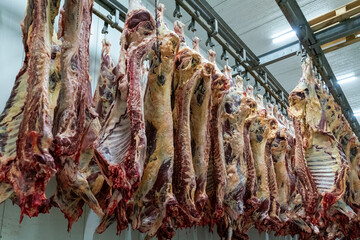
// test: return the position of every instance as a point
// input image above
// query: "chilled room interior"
(265, 42)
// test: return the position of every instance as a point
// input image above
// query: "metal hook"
(209, 41)
(256, 86)
(214, 26)
(224, 55)
(191, 26)
(105, 29)
(117, 17)
(177, 13)
(245, 76)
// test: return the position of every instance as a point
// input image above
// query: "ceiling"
(256, 21)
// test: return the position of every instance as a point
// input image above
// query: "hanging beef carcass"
(320, 163)
(340, 211)
(187, 74)
(153, 202)
(261, 130)
(245, 222)
(284, 178)
(258, 129)
(106, 85)
(216, 176)
(274, 221)
(71, 203)
(290, 202)
(121, 148)
(26, 122)
(75, 125)
(236, 108)
(200, 128)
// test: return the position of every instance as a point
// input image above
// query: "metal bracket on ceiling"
(245, 76)
(191, 26)
(117, 17)
(224, 55)
(236, 67)
(177, 13)
(214, 27)
(256, 86)
(209, 41)
(105, 29)
(242, 55)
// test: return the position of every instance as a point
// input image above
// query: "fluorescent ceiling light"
(282, 36)
(357, 114)
(346, 78)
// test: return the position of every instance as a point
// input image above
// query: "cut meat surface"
(76, 122)
(121, 148)
(154, 199)
(284, 179)
(236, 108)
(106, 85)
(200, 128)
(33, 120)
(315, 144)
(217, 169)
(78, 184)
(274, 211)
(187, 74)
(259, 130)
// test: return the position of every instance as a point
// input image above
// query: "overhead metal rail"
(217, 29)
(230, 42)
(308, 39)
(114, 8)
(346, 28)
(107, 20)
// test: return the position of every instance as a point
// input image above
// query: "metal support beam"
(114, 8)
(236, 47)
(224, 35)
(343, 29)
(306, 36)
(279, 54)
(107, 20)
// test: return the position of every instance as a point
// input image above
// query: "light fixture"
(357, 114)
(346, 78)
(282, 36)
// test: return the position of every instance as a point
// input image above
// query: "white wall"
(54, 225)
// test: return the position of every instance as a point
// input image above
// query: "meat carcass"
(26, 122)
(75, 124)
(320, 163)
(216, 178)
(274, 211)
(121, 147)
(200, 128)
(284, 178)
(236, 108)
(79, 184)
(55, 77)
(187, 74)
(154, 200)
(343, 210)
(106, 85)
(259, 130)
